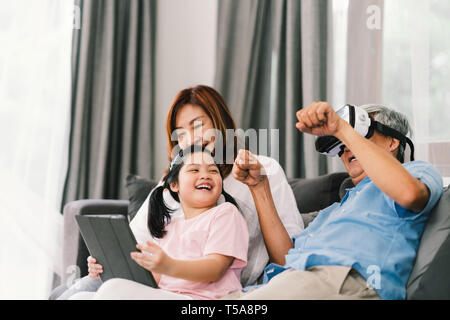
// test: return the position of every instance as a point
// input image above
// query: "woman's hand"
(247, 169)
(152, 258)
(94, 268)
(319, 119)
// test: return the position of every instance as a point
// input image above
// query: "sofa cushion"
(317, 193)
(138, 189)
(427, 279)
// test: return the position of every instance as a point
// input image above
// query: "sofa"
(428, 280)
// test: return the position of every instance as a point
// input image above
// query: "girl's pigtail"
(229, 198)
(158, 213)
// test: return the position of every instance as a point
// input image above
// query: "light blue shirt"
(368, 231)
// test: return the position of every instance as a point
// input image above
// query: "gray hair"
(392, 119)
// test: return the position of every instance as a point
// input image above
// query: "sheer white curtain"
(408, 44)
(337, 70)
(416, 69)
(35, 42)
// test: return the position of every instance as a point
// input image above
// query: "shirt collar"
(359, 186)
(362, 183)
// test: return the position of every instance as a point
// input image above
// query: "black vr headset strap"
(351, 115)
(351, 120)
(394, 134)
(327, 143)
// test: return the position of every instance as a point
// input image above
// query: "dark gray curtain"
(271, 61)
(112, 98)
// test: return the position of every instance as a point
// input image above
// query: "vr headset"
(360, 120)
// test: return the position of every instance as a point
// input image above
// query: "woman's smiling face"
(193, 126)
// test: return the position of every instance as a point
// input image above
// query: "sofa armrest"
(74, 249)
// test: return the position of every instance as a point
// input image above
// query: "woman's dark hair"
(158, 211)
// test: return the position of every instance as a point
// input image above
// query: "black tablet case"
(110, 241)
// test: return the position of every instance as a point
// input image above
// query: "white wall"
(185, 56)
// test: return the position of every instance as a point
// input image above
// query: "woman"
(194, 115)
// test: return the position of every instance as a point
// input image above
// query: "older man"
(363, 247)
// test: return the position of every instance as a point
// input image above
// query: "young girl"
(200, 254)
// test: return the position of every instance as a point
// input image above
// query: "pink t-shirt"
(220, 230)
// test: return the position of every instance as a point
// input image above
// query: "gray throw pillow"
(138, 189)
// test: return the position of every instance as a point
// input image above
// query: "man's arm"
(381, 167)
(247, 169)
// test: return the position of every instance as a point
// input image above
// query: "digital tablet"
(110, 241)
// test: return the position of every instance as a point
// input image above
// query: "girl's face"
(193, 126)
(199, 181)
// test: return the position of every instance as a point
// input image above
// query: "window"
(416, 69)
(35, 37)
(415, 65)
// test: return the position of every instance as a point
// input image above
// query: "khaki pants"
(316, 283)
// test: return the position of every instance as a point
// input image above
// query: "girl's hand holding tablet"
(94, 268)
(152, 258)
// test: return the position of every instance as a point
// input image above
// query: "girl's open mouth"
(204, 186)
